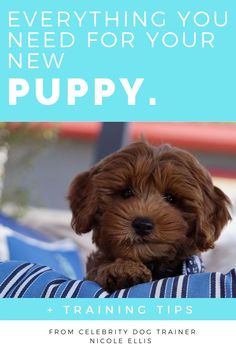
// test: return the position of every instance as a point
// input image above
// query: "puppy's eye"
(170, 198)
(127, 193)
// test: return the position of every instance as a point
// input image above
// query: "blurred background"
(39, 160)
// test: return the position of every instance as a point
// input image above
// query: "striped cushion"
(28, 280)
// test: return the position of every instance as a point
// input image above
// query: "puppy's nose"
(142, 226)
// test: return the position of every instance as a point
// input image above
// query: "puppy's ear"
(209, 226)
(83, 203)
(221, 214)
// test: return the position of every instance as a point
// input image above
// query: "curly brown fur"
(166, 190)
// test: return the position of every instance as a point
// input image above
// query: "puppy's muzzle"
(142, 226)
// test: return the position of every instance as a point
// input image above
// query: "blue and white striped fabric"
(21, 279)
(28, 280)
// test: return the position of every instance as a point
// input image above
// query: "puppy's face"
(145, 203)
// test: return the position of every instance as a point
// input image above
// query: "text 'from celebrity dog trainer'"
(122, 336)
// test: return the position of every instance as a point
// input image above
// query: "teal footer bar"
(118, 309)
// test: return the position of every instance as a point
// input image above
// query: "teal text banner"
(118, 60)
(117, 309)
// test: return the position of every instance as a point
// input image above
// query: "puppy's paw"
(122, 274)
(130, 273)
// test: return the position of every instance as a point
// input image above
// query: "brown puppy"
(149, 209)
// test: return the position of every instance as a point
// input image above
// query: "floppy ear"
(209, 227)
(221, 215)
(83, 203)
